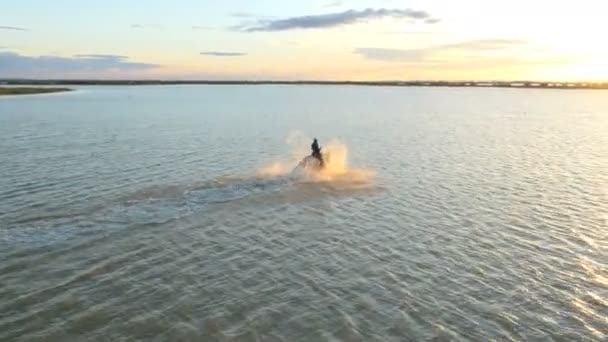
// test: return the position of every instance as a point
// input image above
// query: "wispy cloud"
(103, 56)
(243, 15)
(335, 3)
(17, 65)
(197, 27)
(334, 19)
(147, 26)
(478, 59)
(13, 28)
(223, 54)
(440, 52)
(485, 44)
(407, 32)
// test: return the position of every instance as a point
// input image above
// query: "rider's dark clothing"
(316, 151)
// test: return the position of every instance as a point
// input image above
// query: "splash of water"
(275, 169)
(336, 164)
(296, 142)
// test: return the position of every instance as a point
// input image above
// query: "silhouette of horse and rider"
(316, 152)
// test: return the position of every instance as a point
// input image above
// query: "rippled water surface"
(139, 213)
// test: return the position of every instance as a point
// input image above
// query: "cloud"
(484, 44)
(441, 52)
(477, 59)
(335, 3)
(334, 19)
(13, 28)
(102, 56)
(243, 15)
(17, 65)
(223, 54)
(407, 32)
(147, 26)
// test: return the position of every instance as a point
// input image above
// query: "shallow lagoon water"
(141, 213)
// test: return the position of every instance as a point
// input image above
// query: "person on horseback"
(316, 151)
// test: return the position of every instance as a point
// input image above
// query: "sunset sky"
(313, 39)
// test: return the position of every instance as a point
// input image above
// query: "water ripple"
(486, 221)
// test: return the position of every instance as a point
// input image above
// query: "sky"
(360, 40)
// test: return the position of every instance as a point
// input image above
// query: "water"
(165, 214)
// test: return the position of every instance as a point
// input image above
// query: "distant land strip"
(29, 90)
(479, 84)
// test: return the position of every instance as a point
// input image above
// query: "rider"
(316, 151)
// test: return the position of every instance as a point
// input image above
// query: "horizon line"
(516, 84)
(23, 79)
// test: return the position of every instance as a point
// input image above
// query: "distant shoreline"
(472, 84)
(30, 90)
